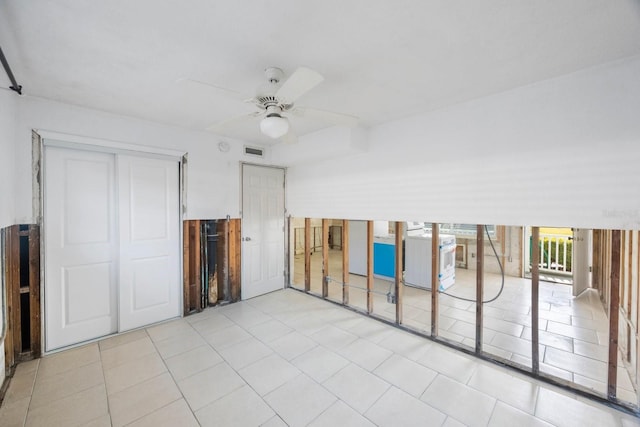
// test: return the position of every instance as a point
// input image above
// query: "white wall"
(213, 181)
(563, 152)
(8, 110)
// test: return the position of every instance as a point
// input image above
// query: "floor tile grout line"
(33, 385)
(104, 381)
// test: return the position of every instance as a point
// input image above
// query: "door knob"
(246, 239)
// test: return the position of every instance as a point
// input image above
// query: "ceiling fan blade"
(300, 82)
(326, 116)
(234, 121)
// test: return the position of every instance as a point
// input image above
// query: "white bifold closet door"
(149, 241)
(111, 225)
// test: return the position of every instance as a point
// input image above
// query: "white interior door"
(80, 246)
(149, 240)
(262, 230)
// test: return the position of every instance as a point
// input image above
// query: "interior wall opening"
(551, 297)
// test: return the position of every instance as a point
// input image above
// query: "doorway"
(111, 245)
(263, 231)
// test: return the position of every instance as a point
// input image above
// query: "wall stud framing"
(535, 284)
(34, 289)
(345, 262)
(479, 284)
(369, 267)
(191, 266)
(435, 267)
(399, 269)
(614, 308)
(325, 258)
(307, 254)
(15, 348)
(235, 260)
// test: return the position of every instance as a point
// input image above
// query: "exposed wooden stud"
(235, 260)
(369, 267)
(345, 262)
(290, 251)
(222, 261)
(13, 290)
(614, 307)
(630, 273)
(623, 288)
(307, 254)
(535, 283)
(502, 230)
(196, 271)
(520, 232)
(186, 267)
(479, 285)
(34, 289)
(399, 269)
(325, 258)
(435, 267)
(9, 343)
(22, 340)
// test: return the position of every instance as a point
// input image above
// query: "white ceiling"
(381, 60)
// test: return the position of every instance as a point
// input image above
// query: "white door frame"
(284, 217)
(42, 138)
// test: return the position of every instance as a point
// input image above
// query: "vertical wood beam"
(535, 311)
(479, 284)
(630, 275)
(435, 267)
(614, 308)
(9, 343)
(399, 269)
(623, 288)
(34, 289)
(186, 267)
(307, 254)
(369, 267)
(196, 279)
(235, 259)
(522, 249)
(222, 263)
(290, 252)
(345, 262)
(325, 258)
(13, 290)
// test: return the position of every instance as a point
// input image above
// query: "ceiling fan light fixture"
(274, 126)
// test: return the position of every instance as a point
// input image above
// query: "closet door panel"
(149, 240)
(80, 246)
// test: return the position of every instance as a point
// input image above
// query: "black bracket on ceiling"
(14, 84)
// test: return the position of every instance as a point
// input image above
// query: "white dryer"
(417, 271)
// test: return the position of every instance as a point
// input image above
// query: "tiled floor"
(573, 332)
(285, 358)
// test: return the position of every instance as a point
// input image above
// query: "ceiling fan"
(275, 102)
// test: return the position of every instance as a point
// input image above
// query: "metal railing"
(555, 253)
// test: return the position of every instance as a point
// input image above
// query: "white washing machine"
(417, 268)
